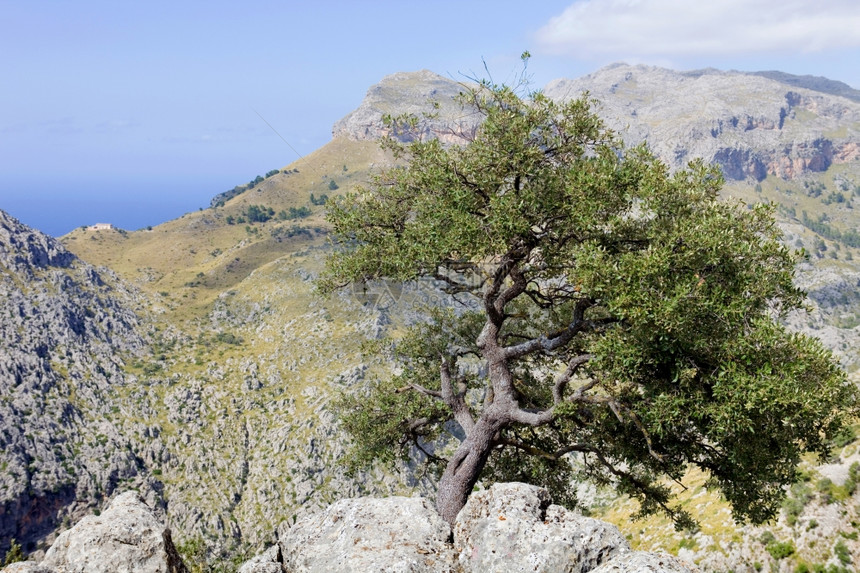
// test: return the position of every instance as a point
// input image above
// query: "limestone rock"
(27, 567)
(410, 93)
(514, 527)
(65, 329)
(396, 534)
(270, 561)
(642, 562)
(127, 537)
(752, 126)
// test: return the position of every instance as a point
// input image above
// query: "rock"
(772, 129)
(65, 330)
(514, 527)
(395, 534)
(409, 93)
(127, 537)
(642, 562)
(270, 561)
(27, 567)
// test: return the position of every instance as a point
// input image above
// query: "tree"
(601, 308)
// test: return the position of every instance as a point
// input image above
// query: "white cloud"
(634, 29)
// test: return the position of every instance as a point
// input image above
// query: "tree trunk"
(464, 468)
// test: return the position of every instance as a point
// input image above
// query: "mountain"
(65, 330)
(219, 362)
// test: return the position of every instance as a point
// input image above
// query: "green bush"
(15, 553)
(780, 549)
(840, 550)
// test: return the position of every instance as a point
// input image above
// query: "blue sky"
(136, 112)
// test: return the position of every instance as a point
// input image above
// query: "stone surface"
(65, 328)
(270, 561)
(27, 567)
(642, 562)
(410, 93)
(396, 535)
(514, 527)
(127, 537)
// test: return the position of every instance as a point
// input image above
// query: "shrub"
(15, 553)
(780, 549)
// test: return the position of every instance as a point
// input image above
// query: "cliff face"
(410, 93)
(751, 125)
(63, 328)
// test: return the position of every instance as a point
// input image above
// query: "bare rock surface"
(396, 534)
(750, 125)
(27, 567)
(514, 527)
(127, 537)
(65, 328)
(642, 562)
(410, 93)
(270, 561)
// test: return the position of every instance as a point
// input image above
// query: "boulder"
(394, 535)
(127, 537)
(514, 527)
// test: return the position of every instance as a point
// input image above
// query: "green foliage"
(272, 172)
(258, 213)
(332, 185)
(321, 200)
(14, 554)
(840, 550)
(780, 549)
(613, 309)
(294, 213)
(821, 225)
(792, 506)
(228, 338)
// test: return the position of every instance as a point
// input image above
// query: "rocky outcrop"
(64, 327)
(509, 527)
(515, 527)
(752, 125)
(126, 538)
(396, 534)
(411, 93)
(749, 124)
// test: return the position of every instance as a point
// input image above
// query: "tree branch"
(529, 449)
(552, 341)
(420, 389)
(457, 402)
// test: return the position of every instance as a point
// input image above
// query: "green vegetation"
(258, 213)
(14, 554)
(321, 200)
(780, 549)
(822, 226)
(611, 309)
(294, 213)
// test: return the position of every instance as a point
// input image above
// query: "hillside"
(66, 330)
(224, 396)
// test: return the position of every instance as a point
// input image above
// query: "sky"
(134, 113)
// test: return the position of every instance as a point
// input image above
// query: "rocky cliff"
(65, 327)
(751, 125)
(510, 527)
